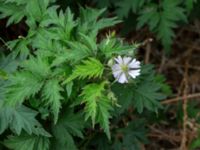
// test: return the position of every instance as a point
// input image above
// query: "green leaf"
(149, 15)
(8, 63)
(148, 91)
(89, 42)
(22, 85)
(3, 75)
(112, 46)
(15, 14)
(19, 119)
(52, 97)
(163, 19)
(91, 68)
(19, 2)
(145, 92)
(195, 144)
(19, 48)
(135, 131)
(69, 124)
(38, 66)
(132, 136)
(189, 4)
(97, 105)
(62, 23)
(91, 93)
(146, 96)
(90, 22)
(77, 51)
(104, 107)
(69, 87)
(27, 142)
(124, 96)
(35, 9)
(125, 6)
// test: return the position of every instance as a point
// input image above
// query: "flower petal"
(126, 60)
(116, 74)
(116, 67)
(134, 64)
(134, 73)
(119, 59)
(122, 78)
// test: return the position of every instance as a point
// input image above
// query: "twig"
(163, 61)
(163, 135)
(148, 52)
(177, 99)
(185, 115)
(189, 67)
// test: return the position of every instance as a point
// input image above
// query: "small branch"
(183, 145)
(147, 43)
(163, 135)
(174, 100)
(162, 64)
(148, 52)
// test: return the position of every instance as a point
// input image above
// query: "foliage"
(90, 68)
(162, 17)
(60, 73)
(69, 124)
(24, 142)
(128, 137)
(134, 94)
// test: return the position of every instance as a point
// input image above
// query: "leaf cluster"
(59, 74)
(161, 17)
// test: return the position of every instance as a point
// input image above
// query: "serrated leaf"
(17, 10)
(69, 124)
(90, 24)
(8, 63)
(69, 87)
(91, 68)
(62, 23)
(77, 51)
(91, 93)
(103, 116)
(89, 42)
(27, 142)
(144, 94)
(15, 14)
(19, 119)
(124, 97)
(124, 7)
(189, 5)
(52, 97)
(135, 131)
(38, 66)
(148, 92)
(19, 48)
(97, 105)
(112, 46)
(3, 75)
(162, 19)
(22, 85)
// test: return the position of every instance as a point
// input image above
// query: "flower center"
(124, 67)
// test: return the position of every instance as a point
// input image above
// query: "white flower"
(124, 68)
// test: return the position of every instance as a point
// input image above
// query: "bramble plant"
(63, 87)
